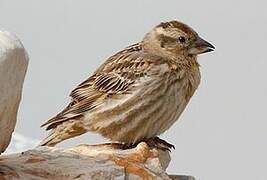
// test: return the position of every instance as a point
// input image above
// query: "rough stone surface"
(105, 161)
(13, 66)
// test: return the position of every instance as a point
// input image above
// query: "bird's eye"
(181, 39)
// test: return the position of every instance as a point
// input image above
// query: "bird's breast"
(181, 87)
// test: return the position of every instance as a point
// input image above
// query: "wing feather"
(116, 76)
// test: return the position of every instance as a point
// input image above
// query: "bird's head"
(174, 39)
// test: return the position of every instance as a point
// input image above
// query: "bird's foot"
(128, 146)
(155, 142)
(158, 143)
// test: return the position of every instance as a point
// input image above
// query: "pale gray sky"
(222, 133)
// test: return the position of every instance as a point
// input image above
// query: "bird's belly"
(151, 114)
(175, 103)
(166, 111)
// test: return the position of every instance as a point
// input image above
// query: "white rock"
(13, 66)
(103, 161)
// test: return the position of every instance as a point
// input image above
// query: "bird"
(138, 93)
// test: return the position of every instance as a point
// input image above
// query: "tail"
(51, 140)
(64, 131)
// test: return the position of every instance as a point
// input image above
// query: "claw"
(128, 146)
(160, 144)
(155, 142)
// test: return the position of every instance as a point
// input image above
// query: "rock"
(105, 161)
(13, 66)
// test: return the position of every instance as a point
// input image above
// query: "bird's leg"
(156, 142)
(128, 146)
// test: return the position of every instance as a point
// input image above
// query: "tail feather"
(63, 131)
(51, 140)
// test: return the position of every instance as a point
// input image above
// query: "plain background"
(222, 133)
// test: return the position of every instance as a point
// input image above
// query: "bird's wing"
(116, 77)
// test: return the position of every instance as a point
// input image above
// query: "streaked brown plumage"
(138, 93)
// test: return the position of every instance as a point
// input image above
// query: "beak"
(200, 46)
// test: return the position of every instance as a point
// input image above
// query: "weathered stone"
(13, 66)
(105, 161)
